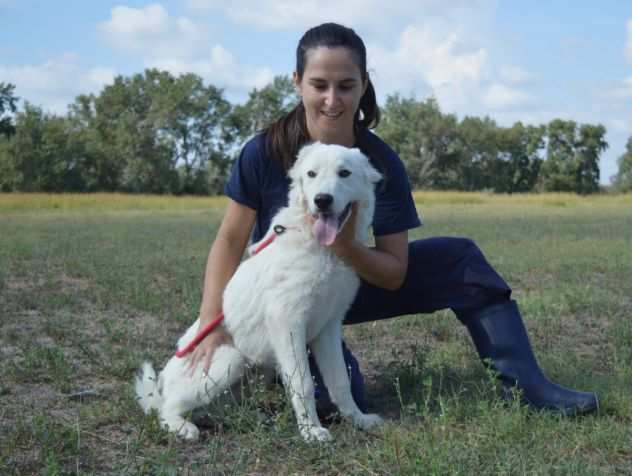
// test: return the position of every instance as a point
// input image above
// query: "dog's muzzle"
(327, 224)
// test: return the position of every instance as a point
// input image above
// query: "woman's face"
(331, 88)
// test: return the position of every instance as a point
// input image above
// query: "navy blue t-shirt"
(259, 182)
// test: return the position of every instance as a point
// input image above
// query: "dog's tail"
(148, 388)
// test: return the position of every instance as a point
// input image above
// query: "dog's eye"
(311, 174)
(344, 173)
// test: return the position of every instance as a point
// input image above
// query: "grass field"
(92, 285)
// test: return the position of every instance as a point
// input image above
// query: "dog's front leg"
(291, 354)
(327, 350)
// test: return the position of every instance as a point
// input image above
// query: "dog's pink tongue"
(325, 229)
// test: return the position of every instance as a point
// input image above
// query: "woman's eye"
(344, 173)
(311, 174)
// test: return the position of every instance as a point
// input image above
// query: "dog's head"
(326, 181)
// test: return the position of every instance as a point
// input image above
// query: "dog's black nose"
(323, 200)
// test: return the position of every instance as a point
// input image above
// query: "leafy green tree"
(7, 174)
(572, 161)
(519, 160)
(479, 153)
(193, 120)
(164, 134)
(558, 174)
(622, 181)
(7, 104)
(101, 171)
(41, 156)
(425, 139)
(264, 106)
(588, 150)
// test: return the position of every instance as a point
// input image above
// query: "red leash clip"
(201, 335)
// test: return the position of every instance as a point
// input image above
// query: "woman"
(338, 106)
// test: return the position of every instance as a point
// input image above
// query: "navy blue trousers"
(443, 273)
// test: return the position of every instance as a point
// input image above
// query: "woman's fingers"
(192, 363)
(207, 360)
(204, 352)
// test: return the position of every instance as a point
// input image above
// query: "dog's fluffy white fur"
(291, 295)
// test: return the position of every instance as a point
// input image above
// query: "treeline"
(158, 133)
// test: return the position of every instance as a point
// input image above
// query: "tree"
(193, 120)
(264, 106)
(425, 140)
(622, 181)
(589, 147)
(164, 134)
(479, 154)
(41, 156)
(518, 163)
(572, 162)
(7, 104)
(101, 169)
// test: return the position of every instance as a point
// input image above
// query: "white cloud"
(628, 42)
(179, 45)
(55, 83)
(151, 32)
(301, 14)
(435, 47)
(221, 69)
(621, 92)
(431, 59)
(620, 125)
(515, 75)
(500, 96)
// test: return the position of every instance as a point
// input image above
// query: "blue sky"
(510, 60)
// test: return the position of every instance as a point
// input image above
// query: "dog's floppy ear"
(304, 152)
(296, 187)
(372, 175)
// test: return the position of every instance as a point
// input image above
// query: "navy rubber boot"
(503, 345)
(324, 405)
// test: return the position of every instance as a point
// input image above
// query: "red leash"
(201, 335)
(278, 230)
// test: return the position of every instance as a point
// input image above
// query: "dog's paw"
(367, 420)
(188, 431)
(315, 433)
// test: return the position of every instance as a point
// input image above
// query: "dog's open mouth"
(327, 225)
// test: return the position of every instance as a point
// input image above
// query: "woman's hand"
(346, 237)
(203, 353)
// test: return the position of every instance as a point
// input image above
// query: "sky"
(529, 61)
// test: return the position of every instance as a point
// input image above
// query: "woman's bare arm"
(384, 266)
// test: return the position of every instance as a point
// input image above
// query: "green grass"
(91, 285)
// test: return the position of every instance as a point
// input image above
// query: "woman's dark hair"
(287, 135)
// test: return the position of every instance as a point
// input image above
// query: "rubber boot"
(503, 345)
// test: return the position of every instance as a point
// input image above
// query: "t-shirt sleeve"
(246, 178)
(394, 206)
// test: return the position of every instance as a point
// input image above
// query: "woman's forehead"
(339, 62)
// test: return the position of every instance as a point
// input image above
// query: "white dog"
(292, 294)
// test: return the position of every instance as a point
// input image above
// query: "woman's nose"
(331, 97)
